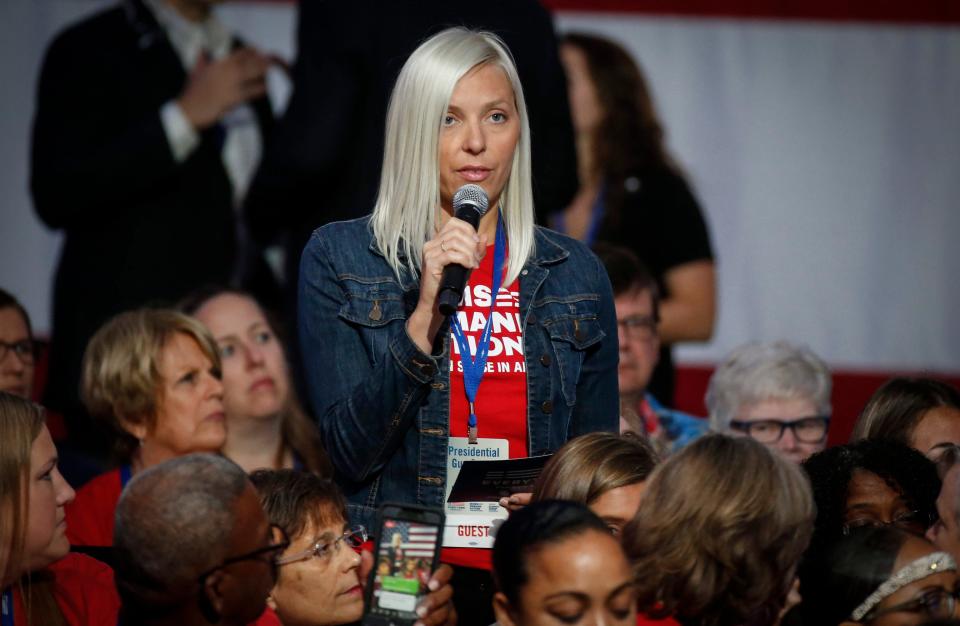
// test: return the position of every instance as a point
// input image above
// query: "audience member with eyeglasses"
(777, 393)
(194, 546)
(16, 348)
(879, 576)
(869, 483)
(637, 305)
(323, 571)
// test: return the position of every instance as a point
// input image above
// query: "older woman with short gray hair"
(776, 392)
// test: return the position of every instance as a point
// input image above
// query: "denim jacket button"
(545, 360)
(375, 313)
(531, 319)
(547, 407)
(428, 369)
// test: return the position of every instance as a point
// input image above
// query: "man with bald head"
(193, 545)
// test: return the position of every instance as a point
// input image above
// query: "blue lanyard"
(7, 608)
(125, 473)
(474, 368)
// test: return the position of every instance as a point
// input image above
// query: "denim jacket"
(383, 405)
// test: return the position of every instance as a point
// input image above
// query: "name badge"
(472, 524)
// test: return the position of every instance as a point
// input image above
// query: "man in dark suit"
(148, 127)
(323, 161)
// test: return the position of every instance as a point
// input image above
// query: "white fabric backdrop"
(827, 157)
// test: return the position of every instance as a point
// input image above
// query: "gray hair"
(406, 213)
(757, 371)
(173, 522)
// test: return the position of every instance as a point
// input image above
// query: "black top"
(661, 221)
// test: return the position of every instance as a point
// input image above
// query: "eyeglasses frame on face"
(279, 547)
(913, 516)
(631, 323)
(744, 426)
(26, 358)
(330, 547)
(918, 604)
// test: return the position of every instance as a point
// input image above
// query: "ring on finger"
(442, 242)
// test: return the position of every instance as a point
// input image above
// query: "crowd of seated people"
(231, 501)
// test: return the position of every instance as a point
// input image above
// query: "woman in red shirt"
(42, 584)
(154, 376)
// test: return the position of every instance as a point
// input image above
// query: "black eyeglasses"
(326, 547)
(910, 521)
(23, 349)
(639, 327)
(269, 554)
(806, 429)
(936, 603)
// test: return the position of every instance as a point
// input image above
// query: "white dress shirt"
(242, 146)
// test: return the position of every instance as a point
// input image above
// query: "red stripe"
(920, 11)
(900, 11)
(851, 390)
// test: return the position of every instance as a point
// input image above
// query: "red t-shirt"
(501, 402)
(90, 515)
(269, 618)
(84, 591)
(643, 620)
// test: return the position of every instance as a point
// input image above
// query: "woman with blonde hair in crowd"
(153, 375)
(405, 393)
(719, 534)
(267, 427)
(42, 584)
(606, 472)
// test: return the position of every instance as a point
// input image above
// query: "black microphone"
(469, 204)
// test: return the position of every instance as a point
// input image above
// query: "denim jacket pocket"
(573, 326)
(373, 307)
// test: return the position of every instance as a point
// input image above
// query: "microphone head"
(472, 195)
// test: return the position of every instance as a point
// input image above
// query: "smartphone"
(408, 548)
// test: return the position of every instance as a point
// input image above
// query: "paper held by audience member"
(488, 481)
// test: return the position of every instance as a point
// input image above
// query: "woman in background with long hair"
(632, 193)
(42, 584)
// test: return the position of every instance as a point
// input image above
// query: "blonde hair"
(121, 374)
(406, 212)
(719, 533)
(590, 465)
(20, 424)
